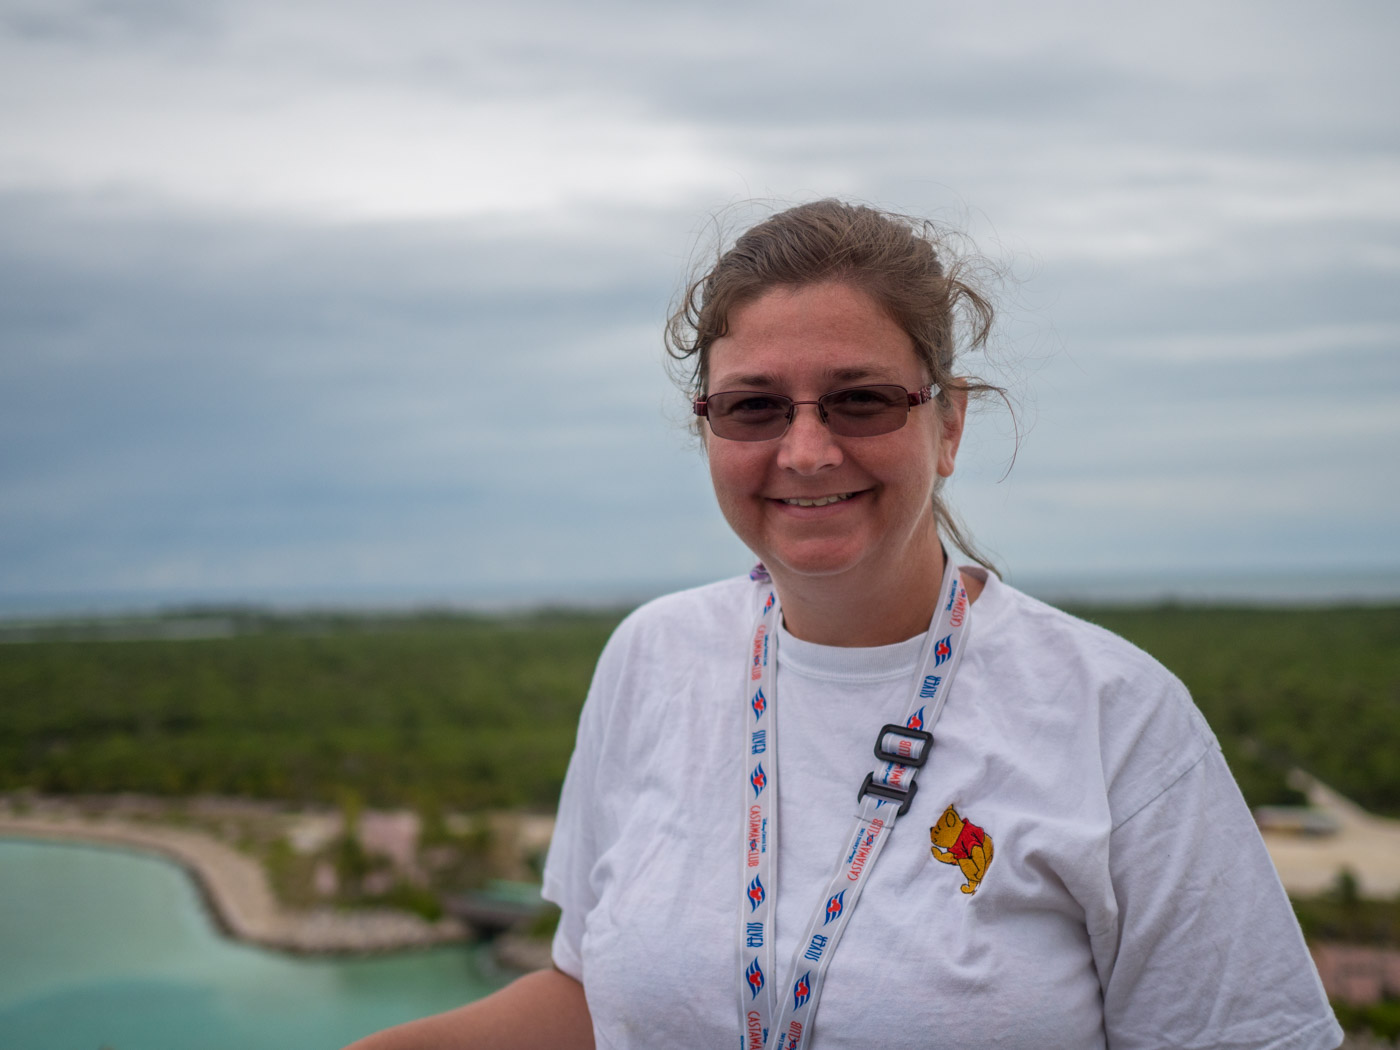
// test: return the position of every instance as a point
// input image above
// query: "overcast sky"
(344, 300)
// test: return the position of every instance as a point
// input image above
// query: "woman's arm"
(543, 1010)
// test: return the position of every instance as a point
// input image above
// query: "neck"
(861, 611)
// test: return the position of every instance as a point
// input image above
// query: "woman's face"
(876, 513)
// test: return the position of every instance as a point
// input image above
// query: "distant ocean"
(1312, 586)
(1348, 586)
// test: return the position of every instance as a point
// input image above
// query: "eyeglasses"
(859, 411)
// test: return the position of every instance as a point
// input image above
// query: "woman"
(1048, 849)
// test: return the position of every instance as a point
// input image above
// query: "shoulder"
(688, 619)
(1011, 620)
(1060, 648)
(1055, 667)
(674, 639)
(708, 603)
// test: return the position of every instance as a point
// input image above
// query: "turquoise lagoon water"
(101, 948)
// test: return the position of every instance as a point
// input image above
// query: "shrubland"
(456, 712)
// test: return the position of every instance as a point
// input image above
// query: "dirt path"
(1368, 845)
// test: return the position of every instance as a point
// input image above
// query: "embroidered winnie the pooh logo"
(960, 842)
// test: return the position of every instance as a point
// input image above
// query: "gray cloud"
(308, 389)
(310, 299)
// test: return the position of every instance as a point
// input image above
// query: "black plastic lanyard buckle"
(889, 794)
(908, 734)
(892, 794)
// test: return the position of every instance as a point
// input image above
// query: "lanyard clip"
(903, 747)
(902, 796)
(910, 747)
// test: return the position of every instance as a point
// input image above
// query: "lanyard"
(778, 1016)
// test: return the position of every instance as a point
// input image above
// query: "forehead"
(818, 334)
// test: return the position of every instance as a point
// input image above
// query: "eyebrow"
(767, 381)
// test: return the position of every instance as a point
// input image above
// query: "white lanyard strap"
(901, 748)
(760, 822)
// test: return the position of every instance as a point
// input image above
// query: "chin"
(812, 563)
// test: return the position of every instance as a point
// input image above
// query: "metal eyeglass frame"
(922, 396)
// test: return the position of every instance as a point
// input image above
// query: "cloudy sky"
(353, 301)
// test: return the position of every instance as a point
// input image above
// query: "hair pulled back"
(905, 264)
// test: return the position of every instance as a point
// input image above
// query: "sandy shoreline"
(236, 890)
(240, 899)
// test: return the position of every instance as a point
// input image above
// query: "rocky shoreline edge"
(238, 896)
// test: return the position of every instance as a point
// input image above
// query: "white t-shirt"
(1129, 901)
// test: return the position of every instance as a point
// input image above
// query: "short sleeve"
(1206, 945)
(574, 848)
(565, 873)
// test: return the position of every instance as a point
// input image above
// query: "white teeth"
(820, 501)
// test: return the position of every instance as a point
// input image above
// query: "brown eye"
(755, 405)
(864, 401)
(748, 415)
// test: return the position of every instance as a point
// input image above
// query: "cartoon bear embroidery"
(960, 842)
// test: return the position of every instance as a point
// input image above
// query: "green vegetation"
(420, 900)
(1381, 1019)
(431, 712)
(543, 925)
(1317, 688)
(1342, 914)
(459, 713)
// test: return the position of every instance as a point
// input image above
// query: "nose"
(808, 446)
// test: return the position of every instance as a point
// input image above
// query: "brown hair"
(906, 264)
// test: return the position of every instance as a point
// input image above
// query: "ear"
(951, 418)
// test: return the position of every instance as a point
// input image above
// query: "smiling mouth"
(818, 501)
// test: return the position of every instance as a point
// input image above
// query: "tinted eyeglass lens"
(866, 411)
(747, 416)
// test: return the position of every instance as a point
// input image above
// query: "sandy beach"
(236, 888)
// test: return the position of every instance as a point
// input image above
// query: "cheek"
(937, 452)
(735, 468)
(733, 486)
(918, 465)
